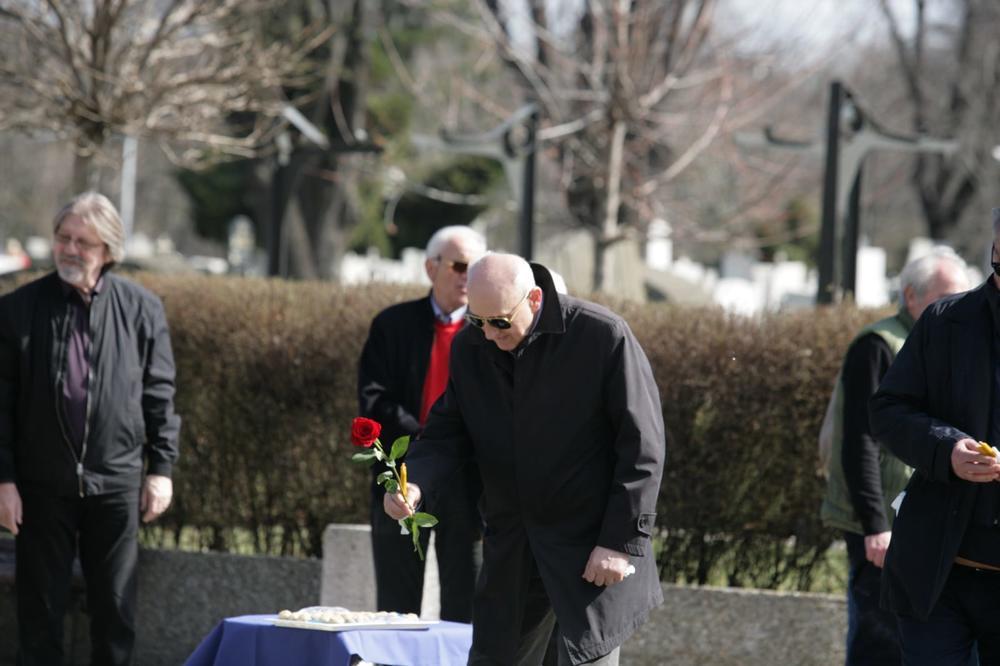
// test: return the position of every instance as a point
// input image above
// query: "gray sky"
(797, 27)
(816, 23)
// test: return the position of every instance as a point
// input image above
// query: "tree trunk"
(86, 174)
(603, 258)
(324, 195)
(301, 262)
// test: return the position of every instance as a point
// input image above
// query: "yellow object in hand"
(402, 480)
(987, 450)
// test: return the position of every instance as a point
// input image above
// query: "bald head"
(503, 286)
(505, 274)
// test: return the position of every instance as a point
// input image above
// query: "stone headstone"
(430, 603)
(871, 286)
(182, 596)
(659, 246)
(737, 264)
(348, 575)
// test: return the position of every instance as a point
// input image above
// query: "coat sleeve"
(633, 404)
(444, 445)
(377, 397)
(162, 422)
(899, 411)
(866, 362)
(8, 389)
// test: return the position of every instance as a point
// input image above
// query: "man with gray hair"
(554, 400)
(862, 480)
(402, 372)
(88, 433)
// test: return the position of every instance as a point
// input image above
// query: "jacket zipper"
(90, 386)
(64, 346)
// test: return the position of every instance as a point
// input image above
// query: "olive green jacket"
(837, 510)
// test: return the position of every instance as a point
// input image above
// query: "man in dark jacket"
(863, 479)
(402, 371)
(555, 401)
(88, 433)
(940, 398)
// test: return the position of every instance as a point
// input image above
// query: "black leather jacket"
(130, 411)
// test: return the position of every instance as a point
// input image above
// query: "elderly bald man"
(554, 399)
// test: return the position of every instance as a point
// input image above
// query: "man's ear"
(430, 265)
(535, 298)
(909, 295)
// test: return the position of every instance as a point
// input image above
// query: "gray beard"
(71, 274)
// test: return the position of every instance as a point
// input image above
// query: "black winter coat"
(391, 374)
(570, 444)
(938, 391)
(131, 411)
(393, 366)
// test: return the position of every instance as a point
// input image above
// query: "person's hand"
(396, 507)
(875, 547)
(605, 567)
(11, 512)
(971, 465)
(157, 492)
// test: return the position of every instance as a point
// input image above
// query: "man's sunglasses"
(501, 322)
(457, 266)
(994, 264)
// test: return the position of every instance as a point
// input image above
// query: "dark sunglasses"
(501, 322)
(994, 264)
(457, 266)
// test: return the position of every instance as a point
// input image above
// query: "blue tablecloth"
(252, 640)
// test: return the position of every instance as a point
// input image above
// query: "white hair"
(920, 273)
(97, 212)
(445, 235)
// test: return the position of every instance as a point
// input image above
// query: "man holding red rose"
(402, 371)
(554, 400)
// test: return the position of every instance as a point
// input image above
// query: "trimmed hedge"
(266, 388)
(266, 376)
(742, 402)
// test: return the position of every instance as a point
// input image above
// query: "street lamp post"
(850, 135)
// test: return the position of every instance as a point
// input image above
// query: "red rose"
(364, 432)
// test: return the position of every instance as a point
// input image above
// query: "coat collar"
(966, 306)
(553, 317)
(972, 332)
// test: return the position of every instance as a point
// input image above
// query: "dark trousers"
(539, 642)
(104, 529)
(872, 633)
(399, 573)
(966, 614)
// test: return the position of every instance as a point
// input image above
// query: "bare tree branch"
(697, 146)
(910, 65)
(89, 70)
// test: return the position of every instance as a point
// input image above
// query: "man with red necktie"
(402, 372)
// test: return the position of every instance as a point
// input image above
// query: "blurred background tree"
(640, 102)
(192, 72)
(368, 188)
(950, 68)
